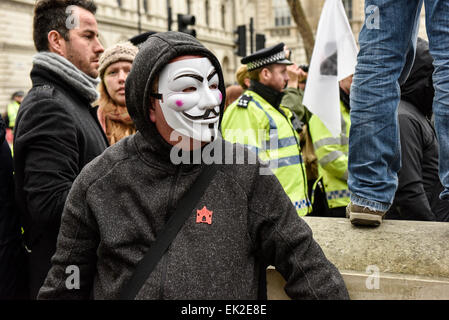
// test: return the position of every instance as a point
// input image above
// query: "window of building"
(145, 6)
(348, 7)
(119, 3)
(282, 15)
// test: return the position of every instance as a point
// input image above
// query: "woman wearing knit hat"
(115, 64)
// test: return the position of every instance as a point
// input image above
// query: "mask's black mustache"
(205, 116)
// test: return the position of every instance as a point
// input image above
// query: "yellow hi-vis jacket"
(12, 109)
(332, 154)
(253, 122)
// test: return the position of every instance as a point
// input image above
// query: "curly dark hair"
(51, 15)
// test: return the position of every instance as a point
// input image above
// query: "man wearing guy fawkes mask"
(189, 98)
(124, 198)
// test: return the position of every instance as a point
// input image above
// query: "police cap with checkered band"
(266, 56)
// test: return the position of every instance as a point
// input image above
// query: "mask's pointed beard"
(205, 116)
(212, 129)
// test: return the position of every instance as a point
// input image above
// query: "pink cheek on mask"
(179, 103)
(220, 97)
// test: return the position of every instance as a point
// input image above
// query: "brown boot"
(363, 216)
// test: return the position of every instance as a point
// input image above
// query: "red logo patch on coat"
(204, 216)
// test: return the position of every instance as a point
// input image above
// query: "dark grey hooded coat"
(417, 196)
(121, 201)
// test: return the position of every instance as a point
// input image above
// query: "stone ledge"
(407, 260)
(404, 247)
(388, 287)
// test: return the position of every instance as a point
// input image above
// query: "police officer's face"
(275, 76)
(18, 99)
(345, 84)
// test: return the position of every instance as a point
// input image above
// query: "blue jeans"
(387, 47)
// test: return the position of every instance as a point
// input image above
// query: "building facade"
(120, 20)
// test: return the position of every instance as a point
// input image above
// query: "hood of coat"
(154, 54)
(418, 89)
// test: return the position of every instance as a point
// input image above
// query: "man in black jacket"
(417, 196)
(57, 133)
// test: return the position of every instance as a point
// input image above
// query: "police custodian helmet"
(266, 56)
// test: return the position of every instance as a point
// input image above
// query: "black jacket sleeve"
(74, 263)
(285, 241)
(48, 147)
(411, 201)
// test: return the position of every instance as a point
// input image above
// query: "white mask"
(191, 98)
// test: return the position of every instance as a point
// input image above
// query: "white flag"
(334, 58)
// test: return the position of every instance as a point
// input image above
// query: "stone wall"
(403, 260)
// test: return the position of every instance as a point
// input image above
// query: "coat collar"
(157, 153)
(40, 76)
(273, 97)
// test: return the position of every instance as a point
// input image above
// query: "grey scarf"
(86, 85)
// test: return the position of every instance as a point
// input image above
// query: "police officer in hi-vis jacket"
(259, 121)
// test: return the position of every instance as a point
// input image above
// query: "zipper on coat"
(170, 210)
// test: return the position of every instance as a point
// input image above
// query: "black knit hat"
(266, 56)
(141, 38)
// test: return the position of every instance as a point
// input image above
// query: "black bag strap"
(183, 210)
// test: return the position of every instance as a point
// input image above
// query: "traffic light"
(240, 42)
(260, 41)
(184, 21)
